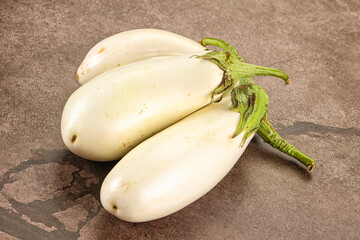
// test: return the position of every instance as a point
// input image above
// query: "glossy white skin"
(120, 108)
(132, 46)
(175, 167)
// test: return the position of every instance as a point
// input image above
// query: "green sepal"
(221, 44)
(226, 62)
(251, 101)
(237, 71)
(223, 88)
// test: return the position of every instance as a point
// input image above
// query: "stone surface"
(46, 192)
(71, 217)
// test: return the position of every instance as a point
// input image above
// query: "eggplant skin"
(175, 167)
(132, 46)
(111, 114)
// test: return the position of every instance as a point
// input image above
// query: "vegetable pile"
(178, 114)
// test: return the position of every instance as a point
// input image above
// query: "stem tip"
(310, 167)
(288, 81)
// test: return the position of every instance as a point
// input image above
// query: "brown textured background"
(48, 193)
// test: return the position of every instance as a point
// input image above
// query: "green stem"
(239, 71)
(250, 70)
(260, 71)
(268, 133)
(236, 70)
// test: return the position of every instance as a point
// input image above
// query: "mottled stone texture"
(48, 193)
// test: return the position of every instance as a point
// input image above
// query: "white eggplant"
(105, 118)
(131, 46)
(115, 111)
(175, 167)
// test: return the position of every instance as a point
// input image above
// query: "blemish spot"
(77, 76)
(73, 139)
(101, 50)
(118, 64)
(114, 207)
(82, 69)
(126, 186)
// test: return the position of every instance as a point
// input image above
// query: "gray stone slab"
(46, 192)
